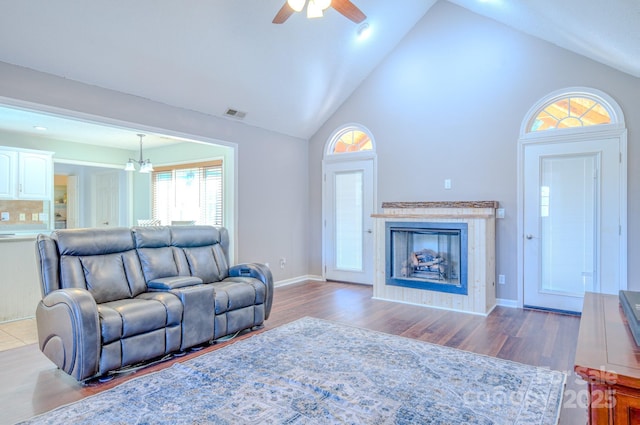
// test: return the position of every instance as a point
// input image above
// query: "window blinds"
(188, 192)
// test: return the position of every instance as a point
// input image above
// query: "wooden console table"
(609, 360)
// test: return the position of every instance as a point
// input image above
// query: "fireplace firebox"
(425, 255)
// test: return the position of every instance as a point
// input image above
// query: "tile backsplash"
(24, 215)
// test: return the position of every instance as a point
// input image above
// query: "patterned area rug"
(313, 371)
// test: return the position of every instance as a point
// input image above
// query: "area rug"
(313, 371)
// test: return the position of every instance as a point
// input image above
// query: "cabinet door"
(627, 406)
(35, 176)
(7, 174)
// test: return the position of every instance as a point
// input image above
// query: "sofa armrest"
(260, 272)
(173, 282)
(69, 331)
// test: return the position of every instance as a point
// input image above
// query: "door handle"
(369, 231)
(529, 236)
(106, 223)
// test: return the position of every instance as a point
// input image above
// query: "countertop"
(21, 236)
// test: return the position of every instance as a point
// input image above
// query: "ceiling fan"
(315, 9)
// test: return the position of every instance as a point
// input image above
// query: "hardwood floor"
(32, 385)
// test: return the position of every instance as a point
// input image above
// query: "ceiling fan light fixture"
(313, 11)
(364, 31)
(323, 4)
(296, 5)
(316, 8)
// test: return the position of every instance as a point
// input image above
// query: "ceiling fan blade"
(283, 14)
(349, 10)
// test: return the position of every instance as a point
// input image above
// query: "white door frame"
(328, 222)
(346, 158)
(615, 130)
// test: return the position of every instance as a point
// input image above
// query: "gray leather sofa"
(118, 297)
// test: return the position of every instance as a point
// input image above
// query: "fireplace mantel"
(480, 219)
(441, 204)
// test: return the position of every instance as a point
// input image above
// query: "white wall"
(272, 176)
(19, 284)
(448, 102)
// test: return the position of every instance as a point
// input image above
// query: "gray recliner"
(117, 297)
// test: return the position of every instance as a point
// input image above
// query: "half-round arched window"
(350, 139)
(571, 109)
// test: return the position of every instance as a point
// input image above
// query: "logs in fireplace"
(428, 264)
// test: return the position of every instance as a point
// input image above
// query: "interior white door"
(348, 226)
(106, 199)
(571, 222)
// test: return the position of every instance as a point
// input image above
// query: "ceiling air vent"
(234, 113)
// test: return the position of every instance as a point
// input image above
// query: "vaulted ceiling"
(213, 55)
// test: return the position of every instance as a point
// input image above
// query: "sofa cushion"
(182, 251)
(238, 292)
(152, 236)
(103, 261)
(157, 263)
(202, 263)
(107, 277)
(194, 236)
(128, 317)
(93, 241)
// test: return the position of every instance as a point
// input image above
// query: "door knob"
(106, 223)
(529, 236)
(369, 231)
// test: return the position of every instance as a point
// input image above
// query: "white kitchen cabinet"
(8, 163)
(35, 175)
(25, 174)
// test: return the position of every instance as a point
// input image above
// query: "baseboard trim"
(553, 310)
(507, 303)
(298, 279)
(502, 302)
(475, 313)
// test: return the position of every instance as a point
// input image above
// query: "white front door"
(106, 199)
(572, 227)
(348, 226)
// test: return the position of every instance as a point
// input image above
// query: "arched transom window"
(350, 139)
(570, 112)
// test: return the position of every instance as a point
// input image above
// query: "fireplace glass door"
(428, 257)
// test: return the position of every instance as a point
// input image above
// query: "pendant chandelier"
(144, 164)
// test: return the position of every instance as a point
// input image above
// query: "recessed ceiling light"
(40, 128)
(364, 31)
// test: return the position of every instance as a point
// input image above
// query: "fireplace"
(436, 254)
(427, 255)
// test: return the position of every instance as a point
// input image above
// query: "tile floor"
(18, 333)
